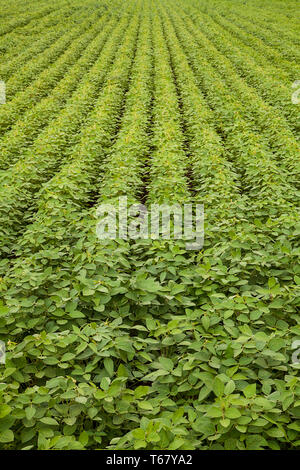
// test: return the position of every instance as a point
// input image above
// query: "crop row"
(27, 18)
(286, 47)
(217, 289)
(214, 178)
(122, 174)
(287, 20)
(288, 30)
(264, 55)
(25, 129)
(63, 199)
(34, 41)
(168, 163)
(271, 123)
(276, 92)
(261, 34)
(23, 97)
(239, 131)
(44, 157)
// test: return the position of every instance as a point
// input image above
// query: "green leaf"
(297, 280)
(30, 412)
(232, 413)
(204, 426)
(105, 383)
(4, 410)
(166, 363)
(276, 344)
(50, 421)
(229, 387)
(148, 285)
(145, 405)
(84, 438)
(250, 391)
(6, 436)
(255, 442)
(205, 322)
(88, 292)
(109, 366)
(214, 412)
(138, 434)
(218, 387)
(3, 311)
(141, 391)
(225, 422)
(271, 282)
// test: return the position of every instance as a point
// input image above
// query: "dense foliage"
(142, 344)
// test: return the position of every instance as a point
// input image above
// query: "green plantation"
(141, 343)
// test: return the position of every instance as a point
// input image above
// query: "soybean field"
(138, 342)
